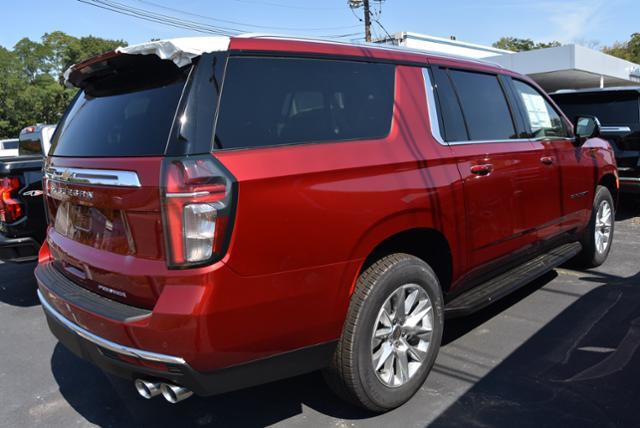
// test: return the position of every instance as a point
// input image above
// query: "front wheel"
(596, 242)
(391, 336)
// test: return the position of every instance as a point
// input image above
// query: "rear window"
(126, 112)
(611, 108)
(484, 106)
(10, 145)
(274, 101)
(30, 144)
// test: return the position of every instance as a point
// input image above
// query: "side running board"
(500, 286)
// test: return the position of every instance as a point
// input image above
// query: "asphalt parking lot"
(563, 351)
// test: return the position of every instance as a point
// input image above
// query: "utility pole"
(356, 4)
(367, 21)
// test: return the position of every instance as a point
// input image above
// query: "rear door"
(103, 175)
(499, 168)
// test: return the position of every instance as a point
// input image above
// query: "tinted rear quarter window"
(275, 101)
(484, 105)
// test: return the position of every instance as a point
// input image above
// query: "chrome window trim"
(107, 344)
(630, 179)
(506, 140)
(615, 129)
(435, 123)
(99, 177)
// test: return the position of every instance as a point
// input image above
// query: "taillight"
(10, 208)
(197, 195)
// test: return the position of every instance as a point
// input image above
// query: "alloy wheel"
(604, 223)
(402, 335)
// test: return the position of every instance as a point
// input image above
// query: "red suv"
(227, 212)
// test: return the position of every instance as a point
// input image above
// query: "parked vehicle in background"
(23, 222)
(274, 206)
(9, 148)
(36, 140)
(618, 110)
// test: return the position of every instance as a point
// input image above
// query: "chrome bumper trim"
(630, 179)
(107, 344)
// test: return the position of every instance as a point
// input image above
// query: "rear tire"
(598, 237)
(384, 354)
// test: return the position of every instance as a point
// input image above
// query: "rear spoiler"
(180, 51)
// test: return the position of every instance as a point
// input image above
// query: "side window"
(274, 101)
(450, 112)
(543, 119)
(484, 106)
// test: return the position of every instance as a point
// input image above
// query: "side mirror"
(586, 127)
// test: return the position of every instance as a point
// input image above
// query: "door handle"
(547, 160)
(483, 169)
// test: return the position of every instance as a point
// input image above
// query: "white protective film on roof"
(181, 50)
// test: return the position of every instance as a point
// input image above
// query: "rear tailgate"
(106, 234)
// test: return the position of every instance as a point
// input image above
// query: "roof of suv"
(182, 50)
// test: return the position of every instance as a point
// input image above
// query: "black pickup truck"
(22, 214)
(618, 109)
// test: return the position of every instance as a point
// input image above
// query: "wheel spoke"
(385, 318)
(385, 351)
(397, 300)
(421, 311)
(410, 301)
(382, 333)
(417, 354)
(402, 365)
(417, 331)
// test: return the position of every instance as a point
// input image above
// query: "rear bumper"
(132, 363)
(630, 185)
(168, 342)
(18, 250)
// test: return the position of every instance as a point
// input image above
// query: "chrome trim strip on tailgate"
(100, 177)
(107, 344)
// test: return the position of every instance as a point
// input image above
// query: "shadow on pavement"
(110, 401)
(582, 369)
(18, 285)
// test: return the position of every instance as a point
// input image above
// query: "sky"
(586, 22)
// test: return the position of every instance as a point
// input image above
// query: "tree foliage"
(629, 50)
(517, 45)
(31, 87)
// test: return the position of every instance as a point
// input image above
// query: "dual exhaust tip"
(172, 393)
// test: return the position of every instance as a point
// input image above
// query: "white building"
(441, 45)
(564, 67)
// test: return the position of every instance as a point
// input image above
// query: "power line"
(157, 18)
(184, 12)
(173, 21)
(287, 6)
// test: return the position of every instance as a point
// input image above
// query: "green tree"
(31, 87)
(517, 45)
(629, 50)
